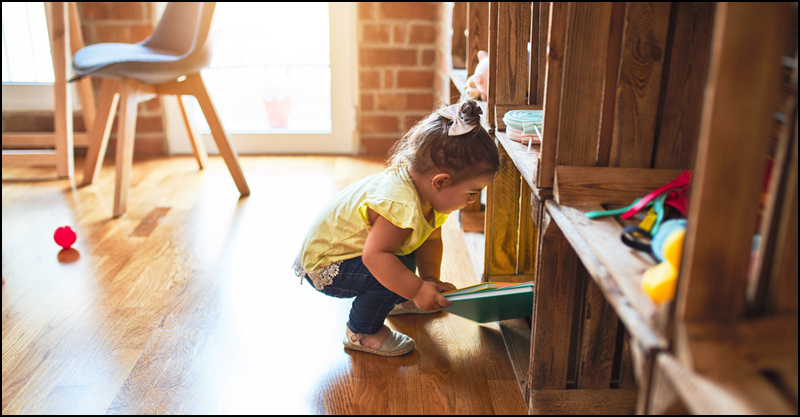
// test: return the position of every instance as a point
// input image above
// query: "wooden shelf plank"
(517, 337)
(757, 344)
(616, 268)
(526, 163)
(608, 185)
(583, 401)
(724, 393)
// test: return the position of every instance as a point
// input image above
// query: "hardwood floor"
(188, 304)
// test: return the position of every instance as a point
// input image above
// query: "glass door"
(282, 79)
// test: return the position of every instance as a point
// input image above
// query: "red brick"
(410, 121)
(372, 57)
(423, 101)
(366, 10)
(388, 79)
(367, 101)
(422, 34)
(373, 123)
(27, 122)
(38, 122)
(143, 145)
(152, 105)
(400, 34)
(149, 145)
(375, 33)
(415, 79)
(369, 79)
(408, 10)
(443, 61)
(377, 146)
(391, 101)
(110, 10)
(122, 33)
(149, 124)
(77, 122)
(428, 57)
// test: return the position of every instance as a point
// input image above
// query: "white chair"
(168, 62)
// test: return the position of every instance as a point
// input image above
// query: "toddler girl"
(369, 241)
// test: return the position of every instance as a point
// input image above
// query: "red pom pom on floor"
(65, 237)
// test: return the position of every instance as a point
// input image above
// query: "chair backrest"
(183, 27)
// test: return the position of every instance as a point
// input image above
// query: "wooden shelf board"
(616, 268)
(517, 338)
(526, 163)
(733, 392)
(615, 401)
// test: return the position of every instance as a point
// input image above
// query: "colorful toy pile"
(660, 237)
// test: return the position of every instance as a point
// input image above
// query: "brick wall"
(402, 70)
(125, 22)
(398, 59)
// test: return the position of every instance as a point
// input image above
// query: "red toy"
(65, 236)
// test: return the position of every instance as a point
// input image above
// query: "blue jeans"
(373, 301)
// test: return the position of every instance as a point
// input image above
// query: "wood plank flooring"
(188, 304)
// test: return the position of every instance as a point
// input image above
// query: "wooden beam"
(551, 101)
(607, 185)
(583, 401)
(502, 210)
(644, 45)
(731, 157)
(582, 84)
(685, 85)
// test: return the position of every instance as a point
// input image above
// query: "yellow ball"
(673, 246)
(659, 282)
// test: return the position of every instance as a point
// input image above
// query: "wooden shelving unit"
(620, 122)
(615, 268)
(527, 163)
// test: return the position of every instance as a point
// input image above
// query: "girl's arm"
(378, 256)
(429, 261)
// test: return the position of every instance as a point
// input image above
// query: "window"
(26, 47)
(271, 79)
(27, 63)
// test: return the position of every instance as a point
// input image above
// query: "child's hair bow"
(459, 126)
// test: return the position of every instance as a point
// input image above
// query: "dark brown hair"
(428, 145)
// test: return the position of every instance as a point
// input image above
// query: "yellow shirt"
(340, 230)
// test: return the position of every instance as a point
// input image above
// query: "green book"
(492, 301)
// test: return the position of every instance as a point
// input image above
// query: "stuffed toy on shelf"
(477, 84)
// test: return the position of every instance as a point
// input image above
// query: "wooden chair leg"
(198, 89)
(101, 129)
(198, 147)
(125, 132)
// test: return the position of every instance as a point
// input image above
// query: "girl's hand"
(428, 297)
(441, 286)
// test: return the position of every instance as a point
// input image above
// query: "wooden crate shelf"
(742, 392)
(526, 163)
(619, 124)
(615, 268)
